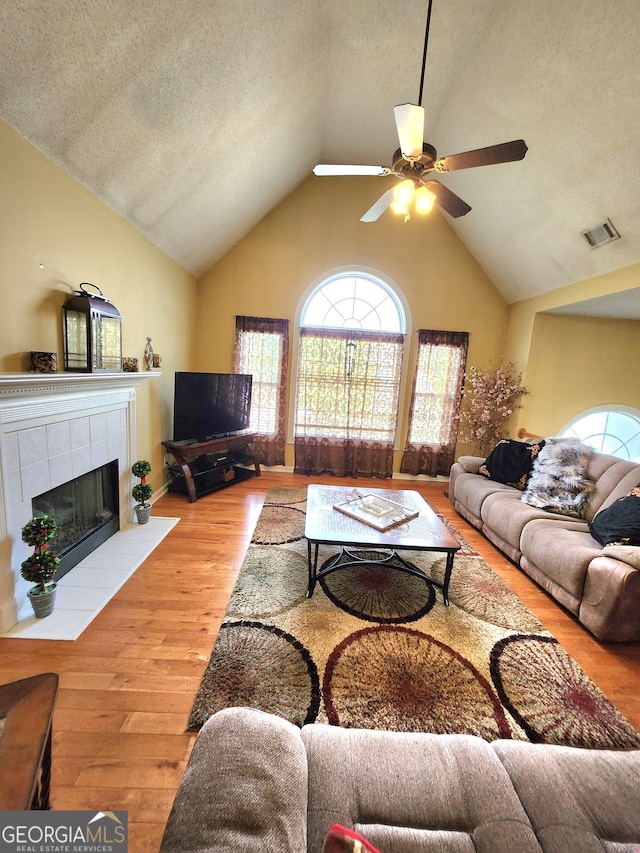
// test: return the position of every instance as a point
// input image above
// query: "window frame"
(331, 275)
(427, 457)
(568, 428)
(346, 337)
(269, 448)
(327, 281)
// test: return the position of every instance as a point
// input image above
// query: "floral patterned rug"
(377, 648)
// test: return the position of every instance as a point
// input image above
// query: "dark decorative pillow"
(511, 461)
(619, 524)
(342, 840)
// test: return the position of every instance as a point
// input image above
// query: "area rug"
(377, 648)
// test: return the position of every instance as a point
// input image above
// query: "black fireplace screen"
(86, 511)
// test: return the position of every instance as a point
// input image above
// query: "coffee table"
(327, 526)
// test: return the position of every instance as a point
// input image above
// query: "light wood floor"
(128, 683)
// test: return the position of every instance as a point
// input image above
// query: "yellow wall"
(48, 218)
(316, 230)
(579, 363)
(572, 363)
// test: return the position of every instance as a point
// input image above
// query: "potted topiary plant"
(42, 565)
(142, 491)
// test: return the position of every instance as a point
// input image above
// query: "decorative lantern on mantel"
(92, 332)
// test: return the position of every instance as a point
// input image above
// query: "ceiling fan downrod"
(424, 52)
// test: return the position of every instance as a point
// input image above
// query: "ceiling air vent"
(601, 234)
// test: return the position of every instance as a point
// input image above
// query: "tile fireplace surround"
(54, 427)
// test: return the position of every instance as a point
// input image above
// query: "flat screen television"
(210, 405)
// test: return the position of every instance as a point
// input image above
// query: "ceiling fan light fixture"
(402, 209)
(410, 127)
(403, 195)
(424, 200)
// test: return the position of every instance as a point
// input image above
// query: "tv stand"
(205, 466)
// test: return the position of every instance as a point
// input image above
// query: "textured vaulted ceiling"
(194, 118)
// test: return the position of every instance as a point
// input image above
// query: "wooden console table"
(26, 710)
(220, 468)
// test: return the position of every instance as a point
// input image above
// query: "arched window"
(354, 301)
(612, 431)
(348, 379)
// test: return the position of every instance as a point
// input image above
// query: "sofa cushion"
(619, 524)
(511, 462)
(410, 792)
(577, 799)
(614, 478)
(341, 839)
(561, 553)
(245, 787)
(471, 491)
(559, 480)
(504, 517)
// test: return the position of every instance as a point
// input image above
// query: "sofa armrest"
(245, 787)
(629, 554)
(471, 464)
(611, 600)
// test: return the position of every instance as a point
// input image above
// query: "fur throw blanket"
(558, 481)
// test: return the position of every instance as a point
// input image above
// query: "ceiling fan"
(415, 163)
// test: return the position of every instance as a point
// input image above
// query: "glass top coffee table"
(327, 526)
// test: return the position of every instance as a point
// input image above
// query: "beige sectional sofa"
(600, 586)
(255, 782)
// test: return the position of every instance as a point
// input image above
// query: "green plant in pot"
(142, 491)
(42, 565)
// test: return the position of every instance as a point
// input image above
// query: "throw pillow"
(559, 481)
(342, 840)
(619, 524)
(511, 461)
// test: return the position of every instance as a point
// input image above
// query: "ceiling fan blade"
(328, 169)
(410, 125)
(377, 209)
(448, 200)
(506, 152)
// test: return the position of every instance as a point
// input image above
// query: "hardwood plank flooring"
(128, 682)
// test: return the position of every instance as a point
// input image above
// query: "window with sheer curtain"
(435, 402)
(261, 348)
(348, 381)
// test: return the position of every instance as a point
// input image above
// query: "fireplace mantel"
(55, 427)
(12, 384)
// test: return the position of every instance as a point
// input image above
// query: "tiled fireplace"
(53, 428)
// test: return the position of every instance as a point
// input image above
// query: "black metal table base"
(350, 557)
